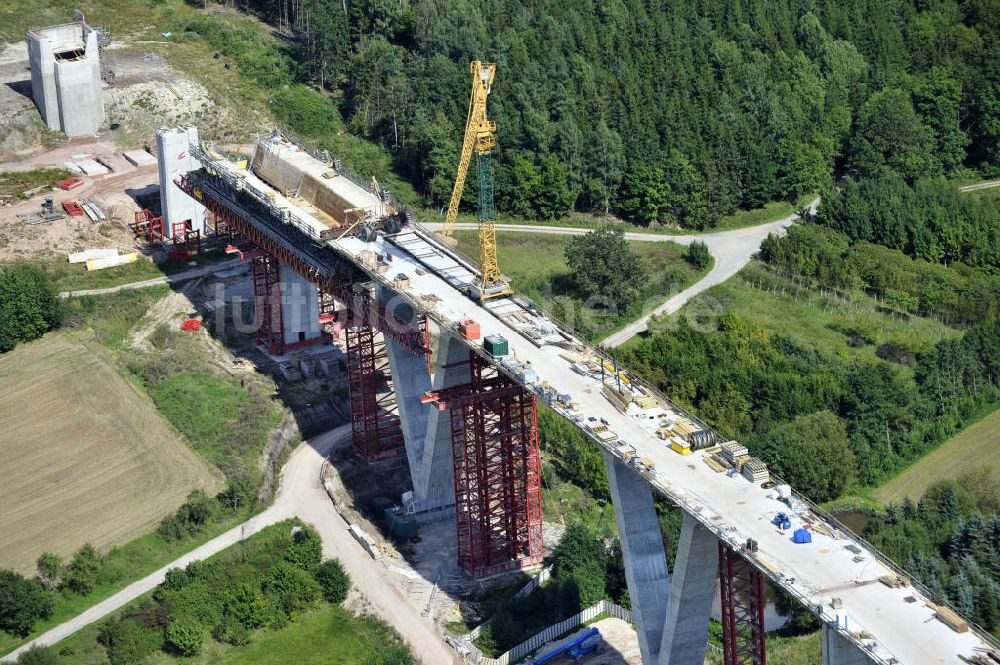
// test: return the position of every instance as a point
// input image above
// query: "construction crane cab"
(480, 137)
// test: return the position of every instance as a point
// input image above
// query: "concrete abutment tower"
(66, 77)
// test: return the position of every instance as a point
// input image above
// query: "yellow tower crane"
(479, 137)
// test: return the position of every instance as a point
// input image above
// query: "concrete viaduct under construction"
(467, 425)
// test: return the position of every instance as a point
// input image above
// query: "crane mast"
(480, 138)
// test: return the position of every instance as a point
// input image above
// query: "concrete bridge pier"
(642, 548)
(426, 429)
(671, 615)
(692, 591)
(838, 650)
(299, 309)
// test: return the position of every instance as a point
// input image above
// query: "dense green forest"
(666, 112)
(951, 541)
(776, 395)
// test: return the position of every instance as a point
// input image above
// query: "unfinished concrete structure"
(173, 149)
(66, 77)
(473, 428)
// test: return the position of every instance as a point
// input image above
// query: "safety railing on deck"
(697, 509)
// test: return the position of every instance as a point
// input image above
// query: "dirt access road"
(732, 251)
(300, 495)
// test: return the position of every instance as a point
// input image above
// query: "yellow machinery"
(479, 137)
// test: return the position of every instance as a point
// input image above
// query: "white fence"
(552, 632)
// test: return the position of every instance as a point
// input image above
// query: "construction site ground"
(89, 459)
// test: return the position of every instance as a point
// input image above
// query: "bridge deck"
(734, 508)
(894, 625)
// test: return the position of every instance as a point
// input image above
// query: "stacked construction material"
(754, 470)
(733, 452)
(112, 261)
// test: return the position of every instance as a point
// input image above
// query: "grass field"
(815, 320)
(781, 650)
(537, 269)
(328, 635)
(87, 457)
(974, 446)
(16, 183)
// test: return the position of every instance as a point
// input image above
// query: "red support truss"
(146, 226)
(375, 421)
(267, 303)
(186, 241)
(497, 472)
(742, 591)
(410, 335)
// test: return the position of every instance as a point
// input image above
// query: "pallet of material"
(950, 618)
(714, 465)
(684, 427)
(894, 581)
(721, 460)
(732, 451)
(754, 470)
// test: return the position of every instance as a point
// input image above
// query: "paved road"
(731, 249)
(299, 495)
(155, 281)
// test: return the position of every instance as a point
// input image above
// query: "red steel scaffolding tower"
(497, 473)
(742, 591)
(375, 421)
(264, 269)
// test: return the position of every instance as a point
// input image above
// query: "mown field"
(975, 446)
(87, 458)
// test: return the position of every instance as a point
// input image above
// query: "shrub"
(83, 570)
(38, 655)
(129, 641)
(29, 304)
(50, 570)
(293, 587)
(184, 635)
(334, 580)
(248, 606)
(22, 603)
(697, 255)
(306, 549)
(231, 631)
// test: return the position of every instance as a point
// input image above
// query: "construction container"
(496, 345)
(469, 329)
(680, 447)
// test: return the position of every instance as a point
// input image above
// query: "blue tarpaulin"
(802, 536)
